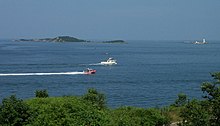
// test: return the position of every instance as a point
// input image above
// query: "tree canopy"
(207, 111)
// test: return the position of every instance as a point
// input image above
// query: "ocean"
(148, 73)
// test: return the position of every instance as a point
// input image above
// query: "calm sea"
(148, 74)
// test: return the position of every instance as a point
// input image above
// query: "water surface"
(148, 73)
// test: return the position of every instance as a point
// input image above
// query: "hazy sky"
(111, 19)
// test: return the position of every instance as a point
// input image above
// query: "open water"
(148, 73)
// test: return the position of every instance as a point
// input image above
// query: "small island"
(56, 39)
(68, 39)
(115, 41)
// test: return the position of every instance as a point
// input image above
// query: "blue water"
(148, 74)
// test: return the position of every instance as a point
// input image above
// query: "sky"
(111, 19)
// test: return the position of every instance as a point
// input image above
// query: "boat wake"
(41, 74)
(95, 64)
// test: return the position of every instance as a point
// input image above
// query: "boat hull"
(108, 63)
(90, 72)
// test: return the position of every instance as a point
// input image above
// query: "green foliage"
(88, 110)
(195, 114)
(130, 116)
(96, 98)
(75, 111)
(182, 100)
(14, 112)
(67, 39)
(41, 93)
(65, 111)
(212, 91)
(172, 112)
(206, 112)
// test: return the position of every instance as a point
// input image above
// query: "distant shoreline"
(56, 39)
(67, 39)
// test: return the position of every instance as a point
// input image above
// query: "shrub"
(65, 111)
(195, 114)
(96, 98)
(41, 93)
(181, 101)
(131, 116)
(207, 111)
(14, 112)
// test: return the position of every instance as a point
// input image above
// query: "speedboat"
(89, 71)
(109, 61)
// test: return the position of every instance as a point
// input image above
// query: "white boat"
(203, 42)
(110, 61)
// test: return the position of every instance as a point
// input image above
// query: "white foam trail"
(96, 64)
(41, 74)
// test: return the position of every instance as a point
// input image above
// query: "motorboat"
(109, 61)
(89, 71)
(203, 42)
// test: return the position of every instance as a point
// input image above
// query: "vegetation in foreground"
(91, 110)
(87, 110)
(205, 112)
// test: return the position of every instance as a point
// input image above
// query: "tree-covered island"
(68, 39)
(115, 41)
(56, 39)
